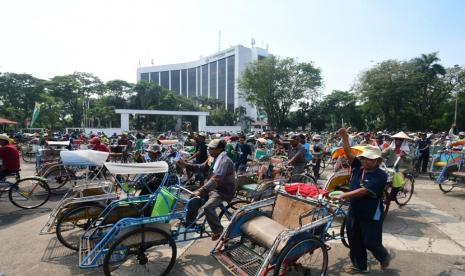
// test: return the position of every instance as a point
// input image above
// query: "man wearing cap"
(9, 155)
(364, 219)
(296, 155)
(317, 153)
(221, 185)
(423, 146)
(97, 145)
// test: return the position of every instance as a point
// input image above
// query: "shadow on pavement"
(56, 253)
(337, 267)
(198, 265)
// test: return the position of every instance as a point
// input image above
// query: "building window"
(191, 82)
(165, 79)
(205, 80)
(213, 67)
(154, 77)
(144, 76)
(184, 82)
(175, 81)
(222, 81)
(231, 82)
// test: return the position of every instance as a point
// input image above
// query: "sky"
(107, 38)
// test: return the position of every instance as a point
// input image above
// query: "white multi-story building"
(214, 76)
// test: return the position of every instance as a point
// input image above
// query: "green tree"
(275, 85)
(427, 73)
(18, 95)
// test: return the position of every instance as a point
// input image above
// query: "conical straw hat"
(401, 135)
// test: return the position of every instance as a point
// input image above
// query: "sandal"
(350, 269)
(216, 236)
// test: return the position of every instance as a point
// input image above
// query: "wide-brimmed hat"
(215, 143)
(462, 133)
(316, 137)
(401, 135)
(4, 137)
(203, 134)
(371, 152)
(261, 140)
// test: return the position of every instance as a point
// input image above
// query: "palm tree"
(429, 70)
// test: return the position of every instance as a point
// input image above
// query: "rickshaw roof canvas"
(137, 168)
(58, 143)
(83, 157)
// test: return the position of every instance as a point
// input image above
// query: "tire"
(386, 202)
(344, 239)
(432, 176)
(405, 193)
(29, 157)
(29, 193)
(71, 224)
(231, 208)
(57, 177)
(450, 182)
(293, 258)
(120, 254)
(446, 186)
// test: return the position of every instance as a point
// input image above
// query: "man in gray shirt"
(296, 156)
(221, 185)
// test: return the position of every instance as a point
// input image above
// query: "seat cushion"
(249, 187)
(263, 231)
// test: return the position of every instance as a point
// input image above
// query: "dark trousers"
(212, 202)
(316, 168)
(365, 235)
(424, 162)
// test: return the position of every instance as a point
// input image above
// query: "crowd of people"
(217, 158)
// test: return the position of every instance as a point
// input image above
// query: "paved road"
(427, 237)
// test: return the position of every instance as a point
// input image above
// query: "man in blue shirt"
(364, 220)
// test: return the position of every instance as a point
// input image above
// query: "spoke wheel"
(306, 257)
(29, 157)
(143, 251)
(74, 222)
(405, 193)
(29, 193)
(57, 177)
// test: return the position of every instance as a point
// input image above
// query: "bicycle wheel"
(344, 239)
(405, 192)
(29, 157)
(57, 177)
(308, 256)
(447, 185)
(143, 251)
(231, 208)
(29, 193)
(386, 202)
(74, 222)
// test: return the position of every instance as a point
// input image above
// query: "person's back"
(10, 157)
(202, 156)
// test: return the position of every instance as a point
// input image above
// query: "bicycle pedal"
(328, 247)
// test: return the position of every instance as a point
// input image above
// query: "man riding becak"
(220, 186)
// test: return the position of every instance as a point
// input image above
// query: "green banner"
(35, 114)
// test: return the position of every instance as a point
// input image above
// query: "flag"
(35, 114)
